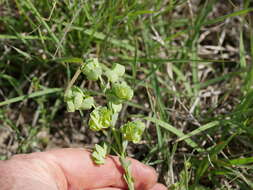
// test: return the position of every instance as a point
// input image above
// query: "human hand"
(71, 169)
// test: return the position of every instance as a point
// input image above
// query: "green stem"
(128, 175)
(117, 138)
(122, 149)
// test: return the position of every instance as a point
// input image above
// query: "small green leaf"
(99, 154)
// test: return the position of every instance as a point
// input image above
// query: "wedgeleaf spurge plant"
(104, 117)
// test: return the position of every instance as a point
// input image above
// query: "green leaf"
(99, 154)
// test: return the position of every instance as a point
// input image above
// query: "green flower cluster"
(100, 118)
(77, 99)
(117, 92)
(120, 91)
(132, 131)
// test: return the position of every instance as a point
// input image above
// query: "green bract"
(116, 108)
(70, 106)
(115, 73)
(132, 131)
(76, 99)
(119, 69)
(100, 118)
(87, 103)
(92, 69)
(122, 91)
(99, 154)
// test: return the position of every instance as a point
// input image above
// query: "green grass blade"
(24, 37)
(174, 131)
(242, 51)
(241, 161)
(68, 60)
(32, 95)
(199, 130)
(222, 18)
(204, 164)
(101, 36)
(41, 20)
(12, 81)
(21, 52)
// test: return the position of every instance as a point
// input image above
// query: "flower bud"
(100, 118)
(132, 131)
(92, 69)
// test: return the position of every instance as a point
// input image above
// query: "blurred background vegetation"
(189, 61)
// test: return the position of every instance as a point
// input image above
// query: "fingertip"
(145, 176)
(109, 188)
(159, 186)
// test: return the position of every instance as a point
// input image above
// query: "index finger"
(81, 172)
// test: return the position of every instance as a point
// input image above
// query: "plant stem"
(71, 83)
(128, 175)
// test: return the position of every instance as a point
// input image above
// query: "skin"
(72, 169)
